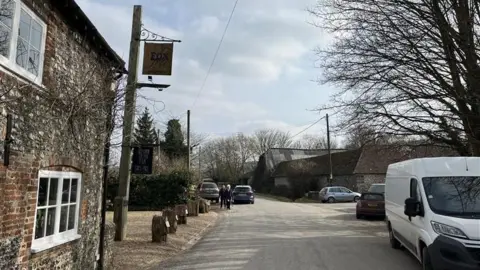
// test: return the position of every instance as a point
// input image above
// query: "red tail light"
(249, 193)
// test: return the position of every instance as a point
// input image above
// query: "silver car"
(209, 191)
(338, 194)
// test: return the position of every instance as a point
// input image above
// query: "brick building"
(58, 82)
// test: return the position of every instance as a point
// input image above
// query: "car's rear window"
(377, 188)
(372, 197)
(209, 185)
(242, 189)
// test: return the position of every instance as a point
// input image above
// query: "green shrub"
(282, 190)
(155, 192)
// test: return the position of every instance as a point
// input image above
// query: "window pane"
(52, 195)
(36, 35)
(63, 218)
(40, 223)
(5, 37)
(7, 8)
(73, 191)
(71, 217)
(25, 23)
(42, 192)
(33, 61)
(66, 189)
(22, 53)
(50, 221)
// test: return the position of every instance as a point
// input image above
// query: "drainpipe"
(106, 159)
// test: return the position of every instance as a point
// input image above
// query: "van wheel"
(331, 200)
(426, 261)
(394, 243)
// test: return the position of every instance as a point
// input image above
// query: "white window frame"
(57, 238)
(10, 62)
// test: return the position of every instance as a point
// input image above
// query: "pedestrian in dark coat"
(228, 196)
(222, 196)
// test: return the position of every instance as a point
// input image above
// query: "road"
(278, 235)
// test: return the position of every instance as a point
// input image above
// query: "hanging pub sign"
(142, 160)
(157, 58)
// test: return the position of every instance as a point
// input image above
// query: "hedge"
(155, 192)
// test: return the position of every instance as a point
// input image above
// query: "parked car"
(338, 194)
(371, 204)
(243, 193)
(209, 191)
(377, 188)
(433, 210)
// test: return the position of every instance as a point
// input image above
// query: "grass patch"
(274, 197)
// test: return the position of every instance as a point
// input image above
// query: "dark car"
(377, 188)
(243, 193)
(371, 204)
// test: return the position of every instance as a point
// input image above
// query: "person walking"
(228, 196)
(222, 196)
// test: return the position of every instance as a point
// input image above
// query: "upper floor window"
(22, 40)
(56, 219)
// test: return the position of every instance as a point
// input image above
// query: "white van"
(433, 210)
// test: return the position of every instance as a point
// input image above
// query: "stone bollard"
(171, 216)
(181, 211)
(204, 206)
(193, 208)
(159, 229)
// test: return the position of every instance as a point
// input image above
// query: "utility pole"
(188, 140)
(329, 153)
(121, 201)
(199, 162)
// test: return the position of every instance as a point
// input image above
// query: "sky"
(264, 75)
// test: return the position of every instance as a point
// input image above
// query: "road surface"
(290, 236)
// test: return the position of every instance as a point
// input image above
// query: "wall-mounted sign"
(142, 160)
(157, 59)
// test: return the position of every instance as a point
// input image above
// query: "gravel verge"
(138, 252)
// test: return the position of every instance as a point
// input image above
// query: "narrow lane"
(277, 235)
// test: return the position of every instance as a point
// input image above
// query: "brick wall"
(59, 127)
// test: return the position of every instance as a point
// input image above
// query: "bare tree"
(309, 141)
(405, 67)
(358, 136)
(270, 138)
(227, 158)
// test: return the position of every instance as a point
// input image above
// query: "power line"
(305, 129)
(216, 53)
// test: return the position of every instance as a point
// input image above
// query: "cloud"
(264, 50)
(207, 25)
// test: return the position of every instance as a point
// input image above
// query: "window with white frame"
(22, 39)
(56, 219)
